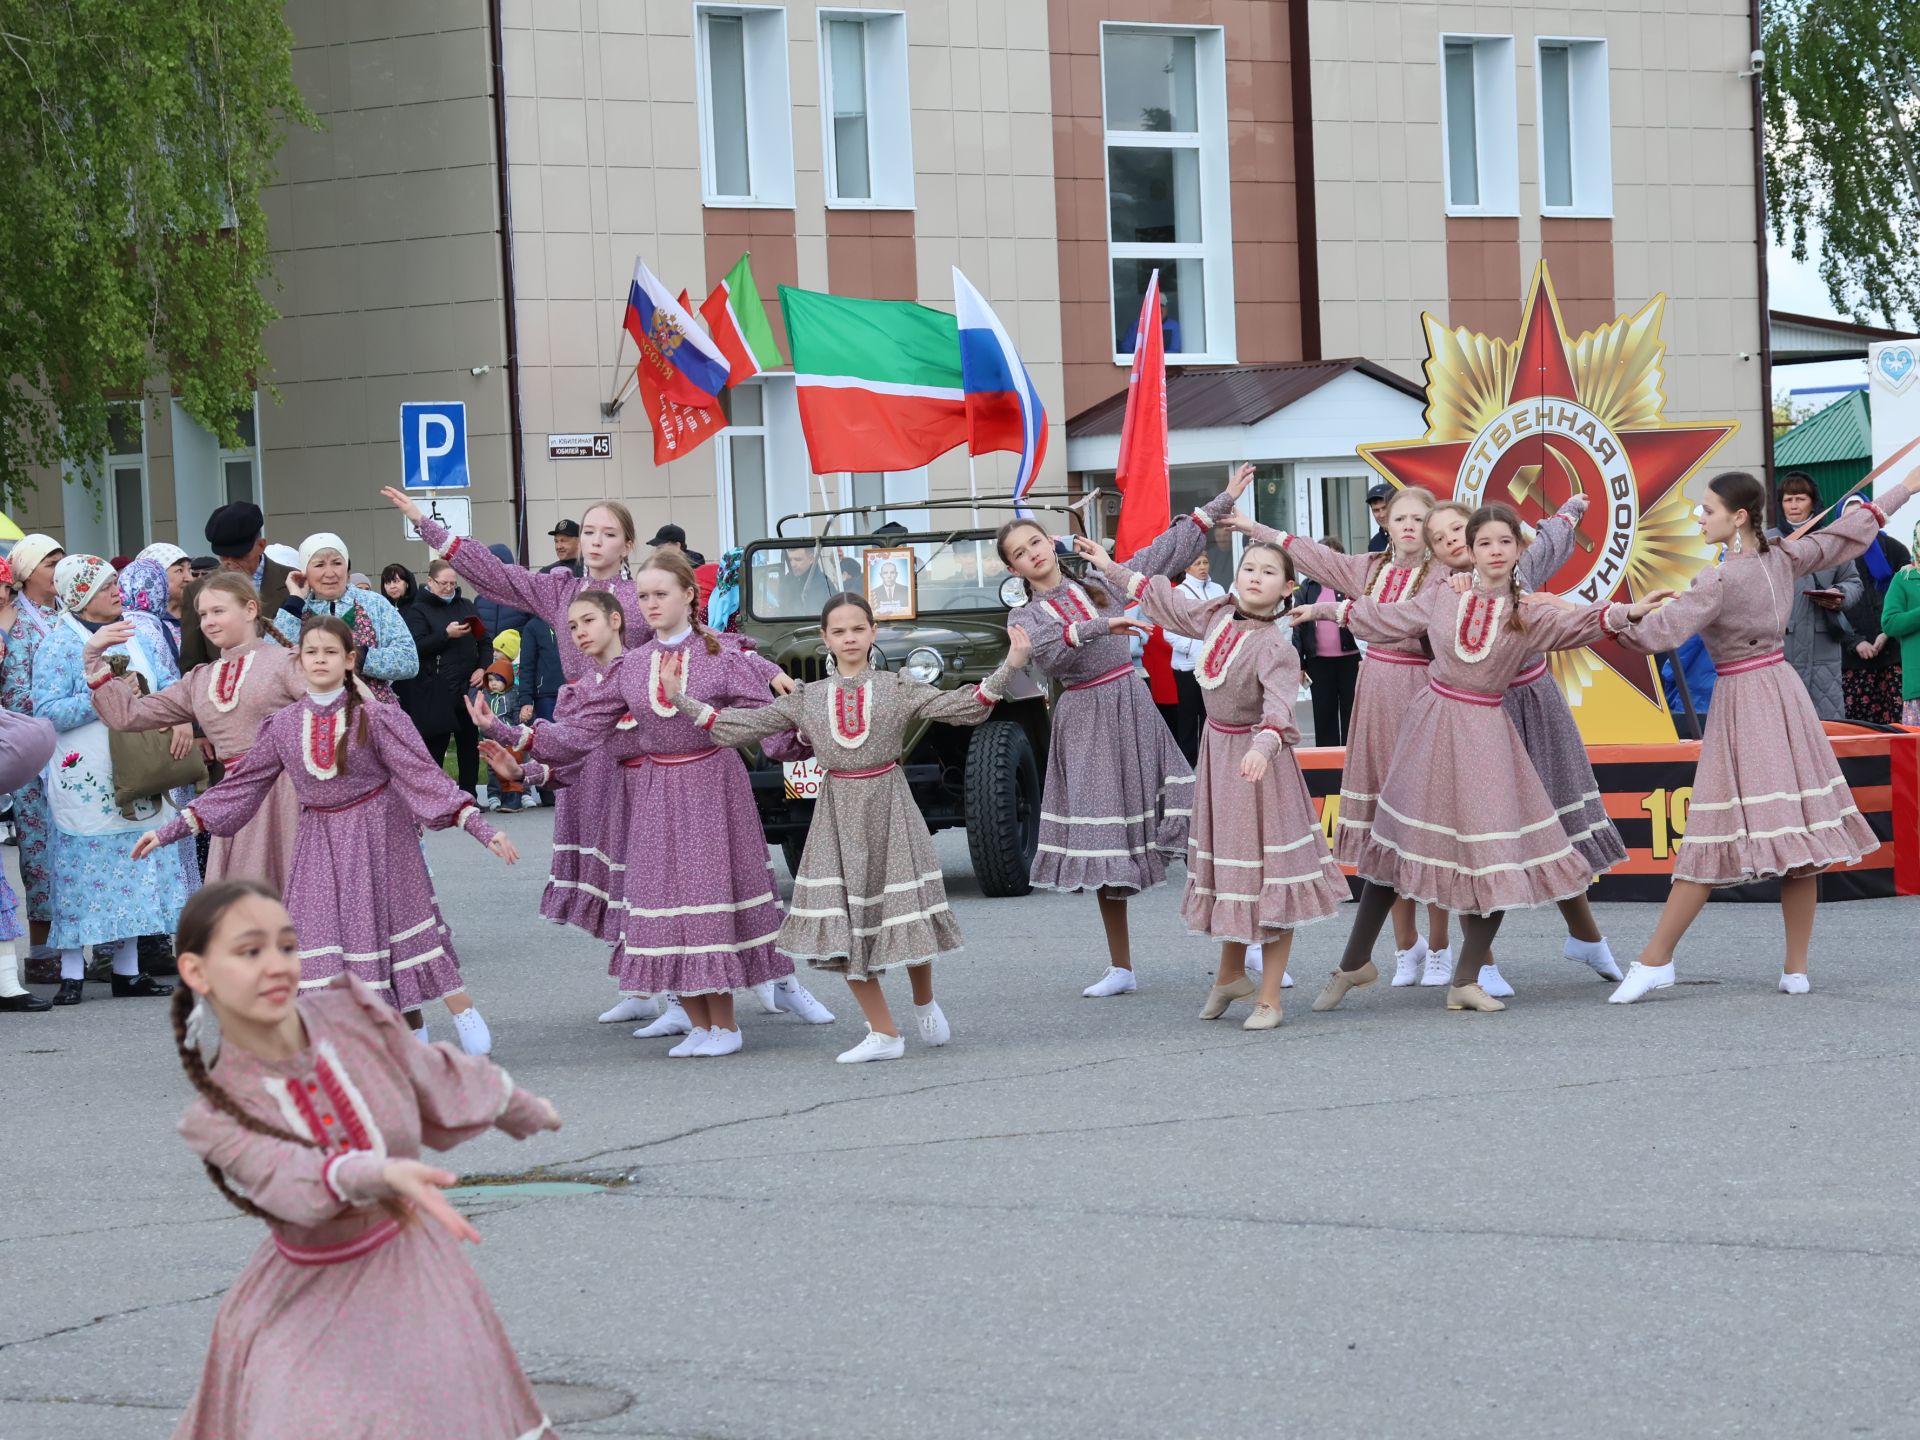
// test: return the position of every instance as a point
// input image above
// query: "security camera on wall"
(1756, 63)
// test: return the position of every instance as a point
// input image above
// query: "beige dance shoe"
(1221, 996)
(1340, 982)
(1472, 997)
(1264, 1017)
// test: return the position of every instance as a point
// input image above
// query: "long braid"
(1513, 607)
(213, 1093)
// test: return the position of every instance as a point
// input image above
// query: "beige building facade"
(1308, 176)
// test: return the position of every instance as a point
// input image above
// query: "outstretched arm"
(1349, 574)
(539, 593)
(1156, 595)
(1666, 628)
(738, 725)
(123, 708)
(1183, 541)
(1553, 540)
(1399, 623)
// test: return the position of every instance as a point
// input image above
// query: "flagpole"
(973, 490)
(612, 407)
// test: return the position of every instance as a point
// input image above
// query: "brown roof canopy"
(1236, 394)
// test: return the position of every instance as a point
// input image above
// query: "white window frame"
(110, 495)
(724, 479)
(1589, 126)
(250, 453)
(889, 111)
(769, 108)
(1215, 249)
(1496, 126)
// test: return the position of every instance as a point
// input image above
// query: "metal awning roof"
(1808, 339)
(1236, 394)
(1842, 431)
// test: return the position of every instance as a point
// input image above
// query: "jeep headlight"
(924, 665)
(1013, 592)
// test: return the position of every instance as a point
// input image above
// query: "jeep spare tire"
(1003, 807)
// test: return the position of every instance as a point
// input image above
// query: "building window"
(1576, 147)
(867, 122)
(746, 134)
(127, 476)
(1167, 187)
(1478, 126)
(240, 466)
(744, 448)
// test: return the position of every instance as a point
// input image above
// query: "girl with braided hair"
(358, 1315)
(360, 891)
(1463, 820)
(255, 676)
(1391, 677)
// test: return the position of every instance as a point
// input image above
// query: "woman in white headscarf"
(320, 587)
(101, 895)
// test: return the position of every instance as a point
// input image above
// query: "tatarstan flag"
(879, 381)
(738, 322)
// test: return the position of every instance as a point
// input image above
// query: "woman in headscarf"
(144, 598)
(1870, 668)
(179, 567)
(320, 587)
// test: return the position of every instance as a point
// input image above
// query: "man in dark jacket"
(495, 616)
(237, 534)
(453, 660)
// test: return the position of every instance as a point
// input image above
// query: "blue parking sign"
(433, 445)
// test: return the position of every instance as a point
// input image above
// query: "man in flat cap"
(237, 534)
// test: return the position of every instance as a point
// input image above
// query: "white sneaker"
(1406, 963)
(1286, 979)
(1794, 984)
(1640, 979)
(763, 992)
(720, 1042)
(1593, 954)
(875, 1047)
(934, 1029)
(696, 1037)
(1493, 982)
(673, 1021)
(472, 1033)
(1256, 962)
(1115, 982)
(1438, 967)
(631, 1008)
(794, 998)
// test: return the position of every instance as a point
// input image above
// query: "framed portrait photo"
(889, 575)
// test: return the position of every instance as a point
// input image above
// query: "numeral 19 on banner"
(1668, 811)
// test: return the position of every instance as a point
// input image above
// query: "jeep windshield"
(902, 578)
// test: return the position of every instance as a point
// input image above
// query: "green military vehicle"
(940, 599)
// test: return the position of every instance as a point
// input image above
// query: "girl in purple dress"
(1769, 800)
(358, 1315)
(360, 891)
(694, 920)
(581, 873)
(1116, 801)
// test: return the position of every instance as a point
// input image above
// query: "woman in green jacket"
(1900, 620)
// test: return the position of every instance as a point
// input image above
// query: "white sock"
(10, 970)
(72, 967)
(126, 957)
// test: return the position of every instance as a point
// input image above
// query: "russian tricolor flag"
(690, 367)
(1003, 408)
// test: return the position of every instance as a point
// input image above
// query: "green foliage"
(135, 139)
(1842, 87)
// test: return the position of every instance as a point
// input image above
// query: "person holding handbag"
(453, 663)
(101, 896)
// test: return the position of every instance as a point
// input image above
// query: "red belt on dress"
(1395, 657)
(1213, 724)
(230, 760)
(1111, 675)
(364, 1243)
(1465, 697)
(1758, 662)
(864, 774)
(691, 757)
(1527, 676)
(350, 805)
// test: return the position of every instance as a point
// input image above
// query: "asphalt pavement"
(1691, 1217)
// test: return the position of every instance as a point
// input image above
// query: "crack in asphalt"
(111, 1315)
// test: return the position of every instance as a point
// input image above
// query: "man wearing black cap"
(237, 533)
(673, 535)
(566, 545)
(1377, 499)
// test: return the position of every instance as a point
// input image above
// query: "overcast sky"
(1797, 288)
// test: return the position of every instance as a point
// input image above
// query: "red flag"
(677, 429)
(1141, 473)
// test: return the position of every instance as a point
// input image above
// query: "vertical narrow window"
(866, 118)
(847, 67)
(1556, 126)
(240, 466)
(1576, 146)
(727, 85)
(746, 442)
(1167, 184)
(746, 129)
(127, 475)
(1463, 144)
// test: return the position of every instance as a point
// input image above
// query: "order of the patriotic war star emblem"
(1530, 422)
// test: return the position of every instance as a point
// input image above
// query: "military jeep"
(941, 598)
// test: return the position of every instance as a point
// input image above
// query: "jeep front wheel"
(1003, 807)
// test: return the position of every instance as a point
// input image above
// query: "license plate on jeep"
(803, 778)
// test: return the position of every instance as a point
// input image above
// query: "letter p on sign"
(433, 445)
